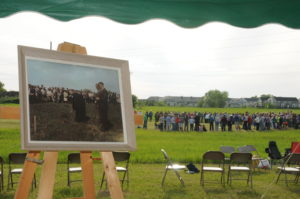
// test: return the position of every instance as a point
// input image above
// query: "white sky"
(166, 59)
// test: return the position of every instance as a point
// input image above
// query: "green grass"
(9, 104)
(213, 110)
(147, 165)
(182, 146)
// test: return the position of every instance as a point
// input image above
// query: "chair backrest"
(121, 156)
(293, 159)
(73, 158)
(166, 157)
(295, 148)
(214, 156)
(227, 149)
(251, 148)
(273, 151)
(16, 158)
(241, 158)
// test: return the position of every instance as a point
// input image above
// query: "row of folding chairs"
(74, 158)
(16, 160)
(214, 161)
(238, 162)
(13, 159)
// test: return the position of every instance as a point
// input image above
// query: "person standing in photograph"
(78, 105)
(102, 103)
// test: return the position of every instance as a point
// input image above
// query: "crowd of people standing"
(42, 94)
(197, 121)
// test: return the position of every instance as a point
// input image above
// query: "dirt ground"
(55, 122)
(9, 112)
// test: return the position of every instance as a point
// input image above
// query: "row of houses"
(176, 100)
(268, 102)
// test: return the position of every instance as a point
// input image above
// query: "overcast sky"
(165, 59)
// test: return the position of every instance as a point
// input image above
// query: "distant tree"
(160, 103)
(134, 100)
(2, 89)
(201, 102)
(214, 98)
(265, 96)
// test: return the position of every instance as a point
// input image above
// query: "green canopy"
(185, 13)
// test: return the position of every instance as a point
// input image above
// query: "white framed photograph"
(74, 102)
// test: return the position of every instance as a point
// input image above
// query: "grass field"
(147, 165)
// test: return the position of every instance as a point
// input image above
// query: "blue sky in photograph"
(52, 74)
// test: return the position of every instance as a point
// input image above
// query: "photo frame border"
(129, 143)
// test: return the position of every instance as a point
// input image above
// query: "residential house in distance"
(236, 102)
(284, 102)
(181, 101)
(176, 100)
(269, 101)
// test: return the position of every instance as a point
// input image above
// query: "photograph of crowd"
(73, 103)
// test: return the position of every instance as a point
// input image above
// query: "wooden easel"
(47, 179)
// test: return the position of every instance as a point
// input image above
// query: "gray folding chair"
(120, 157)
(217, 158)
(290, 166)
(171, 166)
(244, 149)
(13, 160)
(73, 159)
(240, 162)
(251, 149)
(227, 150)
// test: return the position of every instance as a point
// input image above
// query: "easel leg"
(27, 176)
(88, 175)
(48, 175)
(112, 175)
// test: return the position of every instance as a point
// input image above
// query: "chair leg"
(123, 179)
(297, 178)
(286, 180)
(179, 177)
(248, 178)
(10, 177)
(222, 177)
(202, 179)
(69, 180)
(102, 180)
(278, 176)
(228, 176)
(8, 181)
(127, 179)
(12, 181)
(251, 179)
(163, 180)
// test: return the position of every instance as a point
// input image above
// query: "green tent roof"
(185, 13)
